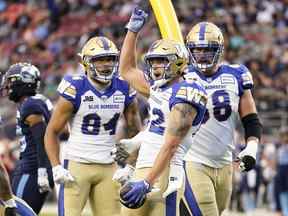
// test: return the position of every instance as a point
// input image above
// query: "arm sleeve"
(252, 126)
(38, 132)
(190, 93)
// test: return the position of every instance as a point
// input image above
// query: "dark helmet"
(21, 79)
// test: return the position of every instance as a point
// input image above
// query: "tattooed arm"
(179, 122)
(5, 190)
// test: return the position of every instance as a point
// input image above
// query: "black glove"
(10, 211)
(247, 163)
(120, 155)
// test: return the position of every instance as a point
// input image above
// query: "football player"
(209, 160)
(177, 107)
(32, 178)
(92, 104)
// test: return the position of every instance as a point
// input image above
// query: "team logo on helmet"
(174, 53)
(206, 45)
(21, 79)
(98, 48)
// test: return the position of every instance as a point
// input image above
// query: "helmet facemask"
(15, 88)
(100, 59)
(205, 43)
(166, 60)
(166, 63)
(21, 79)
(205, 56)
(101, 68)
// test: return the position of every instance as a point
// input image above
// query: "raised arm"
(128, 67)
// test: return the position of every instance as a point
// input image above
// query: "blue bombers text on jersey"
(214, 142)
(96, 114)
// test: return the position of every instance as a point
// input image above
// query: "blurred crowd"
(267, 185)
(50, 33)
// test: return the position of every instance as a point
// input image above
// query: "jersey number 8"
(221, 106)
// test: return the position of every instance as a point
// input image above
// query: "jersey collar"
(106, 93)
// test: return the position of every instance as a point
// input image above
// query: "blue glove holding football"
(133, 194)
(137, 20)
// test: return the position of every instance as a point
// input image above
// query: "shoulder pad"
(191, 91)
(237, 68)
(243, 75)
(31, 106)
(69, 85)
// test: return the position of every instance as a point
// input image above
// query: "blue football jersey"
(161, 101)
(95, 118)
(214, 142)
(39, 105)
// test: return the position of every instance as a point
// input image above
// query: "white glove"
(248, 156)
(61, 175)
(8, 203)
(123, 175)
(9, 207)
(176, 179)
(42, 180)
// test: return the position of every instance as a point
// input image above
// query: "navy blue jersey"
(38, 105)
